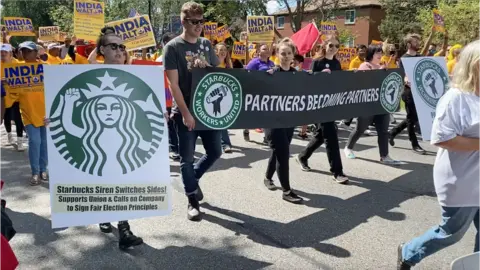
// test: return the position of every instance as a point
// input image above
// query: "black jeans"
(279, 140)
(410, 121)
(381, 124)
(172, 133)
(325, 132)
(13, 113)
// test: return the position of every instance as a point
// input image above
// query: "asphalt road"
(246, 226)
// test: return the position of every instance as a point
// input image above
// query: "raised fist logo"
(430, 80)
(391, 91)
(216, 97)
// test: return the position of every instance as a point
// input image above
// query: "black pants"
(172, 133)
(381, 124)
(13, 113)
(325, 132)
(410, 121)
(279, 140)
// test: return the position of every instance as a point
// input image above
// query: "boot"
(126, 237)
(20, 146)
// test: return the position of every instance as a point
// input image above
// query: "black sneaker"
(127, 238)
(303, 164)
(105, 227)
(290, 196)
(246, 136)
(401, 265)
(175, 157)
(340, 178)
(391, 140)
(419, 150)
(303, 136)
(269, 184)
(193, 211)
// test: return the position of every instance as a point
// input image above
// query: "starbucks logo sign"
(217, 100)
(106, 122)
(392, 87)
(431, 81)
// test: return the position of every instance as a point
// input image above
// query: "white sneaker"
(20, 146)
(349, 153)
(10, 139)
(368, 132)
(342, 125)
(389, 161)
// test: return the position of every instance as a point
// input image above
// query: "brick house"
(361, 17)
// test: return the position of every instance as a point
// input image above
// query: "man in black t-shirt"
(413, 44)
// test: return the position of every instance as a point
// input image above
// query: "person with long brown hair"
(279, 139)
(326, 132)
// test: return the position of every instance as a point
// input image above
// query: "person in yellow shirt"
(274, 57)
(32, 105)
(452, 57)
(12, 107)
(359, 59)
(389, 58)
(53, 53)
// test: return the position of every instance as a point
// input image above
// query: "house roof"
(343, 4)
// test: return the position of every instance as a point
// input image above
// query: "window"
(350, 16)
(280, 22)
(349, 43)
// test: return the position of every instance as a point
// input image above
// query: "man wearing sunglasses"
(183, 53)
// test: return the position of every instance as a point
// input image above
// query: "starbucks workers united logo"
(431, 81)
(392, 87)
(106, 122)
(217, 100)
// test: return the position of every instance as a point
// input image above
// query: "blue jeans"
(455, 223)
(226, 138)
(37, 148)
(211, 140)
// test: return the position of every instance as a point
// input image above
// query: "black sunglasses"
(196, 22)
(115, 46)
(331, 45)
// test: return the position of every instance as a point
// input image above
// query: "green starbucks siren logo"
(106, 122)
(217, 100)
(431, 81)
(392, 87)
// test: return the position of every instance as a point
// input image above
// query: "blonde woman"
(455, 173)
(225, 62)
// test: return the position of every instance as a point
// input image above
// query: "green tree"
(401, 18)
(461, 20)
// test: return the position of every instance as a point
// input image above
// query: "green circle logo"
(392, 87)
(217, 100)
(106, 121)
(431, 81)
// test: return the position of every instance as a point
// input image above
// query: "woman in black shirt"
(279, 139)
(326, 132)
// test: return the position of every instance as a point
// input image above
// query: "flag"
(133, 13)
(306, 38)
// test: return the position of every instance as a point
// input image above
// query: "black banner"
(237, 98)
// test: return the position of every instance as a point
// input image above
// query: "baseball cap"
(53, 45)
(28, 45)
(6, 47)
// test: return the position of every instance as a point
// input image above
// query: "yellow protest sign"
(49, 33)
(88, 19)
(17, 26)
(136, 32)
(24, 77)
(327, 29)
(223, 33)
(239, 50)
(62, 36)
(345, 56)
(260, 28)
(438, 21)
(210, 30)
(252, 50)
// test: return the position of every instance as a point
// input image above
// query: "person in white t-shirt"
(456, 132)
